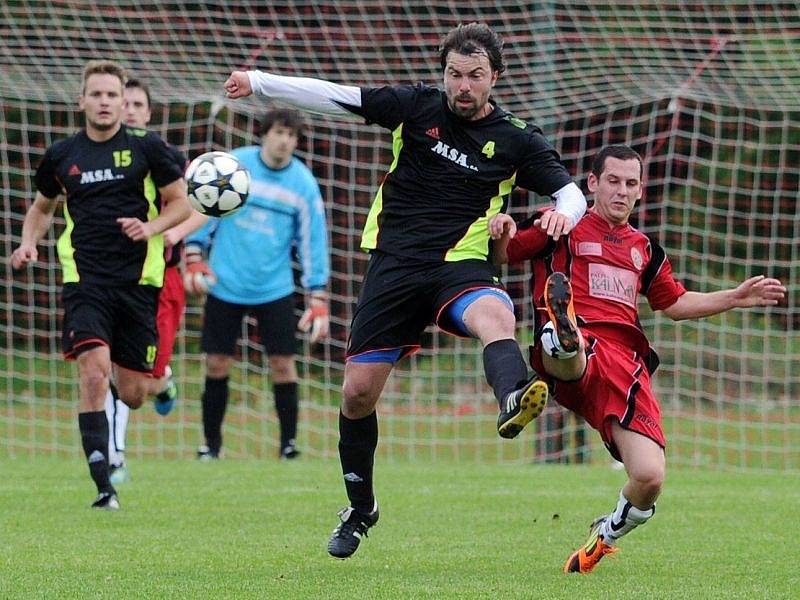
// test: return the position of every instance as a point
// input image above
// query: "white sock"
(121, 426)
(552, 345)
(110, 410)
(625, 518)
(117, 415)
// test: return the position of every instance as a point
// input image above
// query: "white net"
(707, 92)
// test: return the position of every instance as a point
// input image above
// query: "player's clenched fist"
(138, 231)
(238, 85)
(23, 255)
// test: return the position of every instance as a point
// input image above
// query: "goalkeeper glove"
(315, 318)
(197, 277)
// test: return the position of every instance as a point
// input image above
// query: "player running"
(457, 156)
(111, 252)
(590, 347)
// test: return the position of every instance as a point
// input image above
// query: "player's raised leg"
(488, 314)
(358, 439)
(562, 343)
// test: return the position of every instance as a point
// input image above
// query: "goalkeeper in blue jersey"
(249, 271)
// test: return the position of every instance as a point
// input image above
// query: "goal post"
(707, 92)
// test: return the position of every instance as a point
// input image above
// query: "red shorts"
(616, 385)
(171, 303)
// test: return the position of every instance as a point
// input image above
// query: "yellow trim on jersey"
(153, 268)
(475, 243)
(66, 251)
(369, 239)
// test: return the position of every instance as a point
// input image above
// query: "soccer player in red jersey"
(590, 347)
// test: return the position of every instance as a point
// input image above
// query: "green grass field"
(258, 529)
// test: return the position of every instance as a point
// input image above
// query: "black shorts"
(120, 317)
(222, 324)
(399, 298)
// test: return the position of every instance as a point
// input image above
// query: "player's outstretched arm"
(305, 93)
(756, 291)
(34, 227)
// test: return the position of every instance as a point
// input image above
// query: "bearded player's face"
(102, 101)
(468, 83)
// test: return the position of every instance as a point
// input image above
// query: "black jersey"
(449, 175)
(103, 181)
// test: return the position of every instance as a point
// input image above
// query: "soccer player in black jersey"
(111, 251)
(457, 156)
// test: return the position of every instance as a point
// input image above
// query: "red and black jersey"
(449, 175)
(103, 181)
(608, 267)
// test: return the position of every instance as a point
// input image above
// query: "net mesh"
(707, 92)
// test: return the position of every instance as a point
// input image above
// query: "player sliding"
(592, 351)
(457, 156)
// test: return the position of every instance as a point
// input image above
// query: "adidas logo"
(433, 132)
(511, 402)
(353, 477)
(74, 170)
(96, 456)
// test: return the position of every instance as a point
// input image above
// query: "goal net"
(707, 92)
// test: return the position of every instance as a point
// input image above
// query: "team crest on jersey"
(453, 154)
(99, 175)
(637, 259)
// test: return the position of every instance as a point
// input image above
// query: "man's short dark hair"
(284, 116)
(138, 83)
(473, 38)
(618, 151)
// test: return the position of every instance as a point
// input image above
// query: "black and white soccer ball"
(218, 184)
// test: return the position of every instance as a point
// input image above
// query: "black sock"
(358, 439)
(215, 401)
(94, 435)
(504, 367)
(286, 407)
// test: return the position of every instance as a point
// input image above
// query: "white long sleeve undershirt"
(312, 95)
(571, 202)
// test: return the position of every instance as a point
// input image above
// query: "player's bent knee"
(648, 481)
(133, 393)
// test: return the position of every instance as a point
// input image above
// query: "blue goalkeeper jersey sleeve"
(251, 251)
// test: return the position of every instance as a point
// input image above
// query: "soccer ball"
(218, 184)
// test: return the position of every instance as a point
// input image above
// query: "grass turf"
(258, 528)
